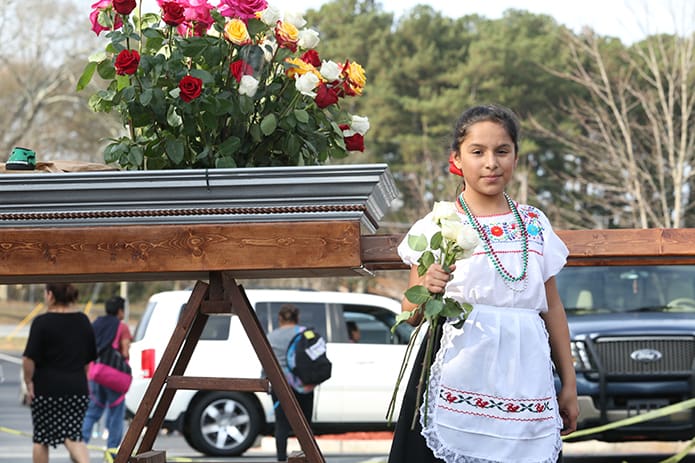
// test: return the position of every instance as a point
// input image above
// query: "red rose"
(124, 7)
(240, 68)
(173, 13)
(190, 88)
(326, 96)
(354, 142)
(127, 62)
(311, 57)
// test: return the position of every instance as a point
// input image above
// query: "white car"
(219, 423)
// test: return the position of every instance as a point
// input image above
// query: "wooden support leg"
(140, 420)
(272, 369)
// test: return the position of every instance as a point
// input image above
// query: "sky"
(630, 20)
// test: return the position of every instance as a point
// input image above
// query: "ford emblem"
(646, 355)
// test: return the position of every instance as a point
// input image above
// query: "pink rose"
(99, 7)
(242, 9)
(198, 17)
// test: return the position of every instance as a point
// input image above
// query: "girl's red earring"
(452, 167)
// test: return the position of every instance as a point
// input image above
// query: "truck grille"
(646, 355)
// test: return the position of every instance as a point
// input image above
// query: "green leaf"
(86, 76)
(451, 308)
(436, 240)
(225, 162)
(106, 70)
(203, 75)
(136, 156)
(433, 308)
(175, 150)
(269, 124)
(301, 115)
(229, 147)
(146, 97)
(400, 318)
(417, 294)
(427, 258)
(417, 242)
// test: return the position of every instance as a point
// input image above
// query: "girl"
(492, 396)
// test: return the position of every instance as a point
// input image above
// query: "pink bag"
(111, 369)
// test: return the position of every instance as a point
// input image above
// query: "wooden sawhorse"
(221, 296)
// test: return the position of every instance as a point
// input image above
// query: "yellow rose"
(299, 67)
(356, 77)
(235, 31)
(286, 35)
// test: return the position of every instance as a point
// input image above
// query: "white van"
(220, 423)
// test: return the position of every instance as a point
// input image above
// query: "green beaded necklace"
(487, 244)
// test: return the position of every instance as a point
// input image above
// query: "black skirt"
(56, 418)
(408, 444)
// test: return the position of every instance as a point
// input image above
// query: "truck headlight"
(580, 356)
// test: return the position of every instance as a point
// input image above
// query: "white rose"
(308, 38)
(248, 86)
(270, 16)
(467, 240)
(269, 46)
(295, 18)
(306, 83)
(444, 210)
(360, 124)
(330, 70)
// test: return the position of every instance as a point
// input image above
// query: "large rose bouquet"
(452, 241)
(233, 85)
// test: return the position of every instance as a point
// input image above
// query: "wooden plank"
(649, 246)
(109, 253)
(197, 383)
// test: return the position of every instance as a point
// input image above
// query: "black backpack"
(306, 358)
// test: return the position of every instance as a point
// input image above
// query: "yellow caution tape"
(658, 413)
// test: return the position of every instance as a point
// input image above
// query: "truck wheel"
(222, 424)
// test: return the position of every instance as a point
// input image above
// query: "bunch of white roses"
(453, 240)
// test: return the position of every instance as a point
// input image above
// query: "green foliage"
(265, 114)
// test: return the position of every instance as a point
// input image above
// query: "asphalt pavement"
(15, 439)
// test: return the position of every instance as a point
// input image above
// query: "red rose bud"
(190, 88)
(124, 7)
(311, 57)
(326, 96)
(127, 62)
(240, 68)
(173, 13)
(354, 142)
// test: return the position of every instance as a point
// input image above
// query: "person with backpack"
(109, 329)
(280, 340)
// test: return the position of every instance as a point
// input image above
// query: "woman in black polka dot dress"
(59, 349)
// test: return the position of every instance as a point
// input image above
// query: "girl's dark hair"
(63, 293)
(486, 113)
(289, 313)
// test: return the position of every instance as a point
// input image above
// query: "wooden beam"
(218, 384)
(648, 246)
(253, 250)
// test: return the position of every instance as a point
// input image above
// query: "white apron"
(508, 411)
